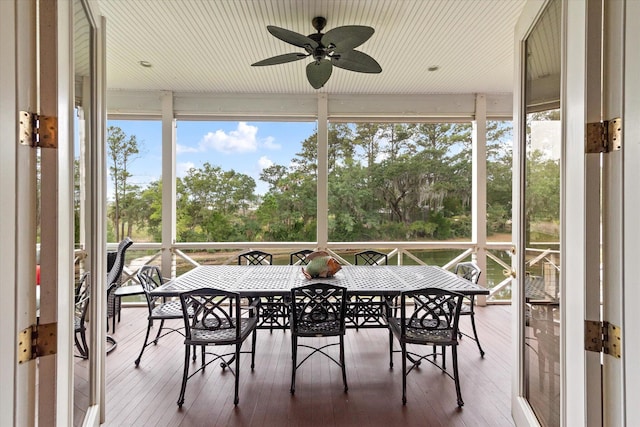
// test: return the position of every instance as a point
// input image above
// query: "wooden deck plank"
(147, 395)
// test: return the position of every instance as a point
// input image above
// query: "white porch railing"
(404, 252)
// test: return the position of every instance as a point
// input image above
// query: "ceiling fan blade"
(280, 59)
(292, 37)
(347, 37)
(318, 72)
(355, 60)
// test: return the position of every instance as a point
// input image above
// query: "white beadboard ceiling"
(207, 46)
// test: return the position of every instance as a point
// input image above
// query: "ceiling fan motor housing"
(319, 22)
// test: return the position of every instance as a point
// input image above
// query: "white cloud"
(241, 140)
(180, 149)
(182, 168)
(270, 145)
(264, 162)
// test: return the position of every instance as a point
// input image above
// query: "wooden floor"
(147, 395)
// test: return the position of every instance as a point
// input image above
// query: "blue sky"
(246, 147)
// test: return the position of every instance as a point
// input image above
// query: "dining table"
(277, 280)
(369, 286)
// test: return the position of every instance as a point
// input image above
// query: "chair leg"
(444, 357)
(155, 341)
(185, 375)
(236, 399)
(78, 346)
(113, 311)
(475, 333)
(404, 373)
(82, 347)
(344, 369)
(112, 344)
(146, 338)
(294, 360)
(454, 353)
(253, 349)
(356, 312)
(85, 346)
(390, 349)
(272, 305)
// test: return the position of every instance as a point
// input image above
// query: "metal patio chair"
(299, 257)
(273, 309)
(82, 298)
(115, 266)
(363, 309)
(159, 307)
(318, 310)
(471, 272)
(432, 320)
(218, 319)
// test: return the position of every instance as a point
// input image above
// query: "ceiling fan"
(336, 47)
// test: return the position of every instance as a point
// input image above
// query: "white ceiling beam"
(189, 106)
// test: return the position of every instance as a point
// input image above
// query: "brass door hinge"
(603, 137)
(602, 337)
(38, 131)
(37, 341)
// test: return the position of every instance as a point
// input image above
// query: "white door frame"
(520, 410)
(55, 373)
(621, 201)
(18, 92)
(580, 232)
(631, 152)
(581, 100)
(94, 218)
(17, 192)
(612, 215)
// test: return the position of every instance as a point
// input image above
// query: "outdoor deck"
(147, 395)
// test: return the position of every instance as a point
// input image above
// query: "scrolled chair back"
(215, 314)
(255, 257)
(371, 257)
(469, 271)
(434, 317)
(150, 279)
(299, 257)
(318, 309)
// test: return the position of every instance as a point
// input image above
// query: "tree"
(499, 175)
(214, 205)
(149, 210)
(288, 210)
(121, 152)
(387, 181)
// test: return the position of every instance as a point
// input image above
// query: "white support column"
(84, 136)
(479, 188)
(323, 172)
(98, 247)
(168, 183)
